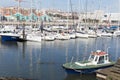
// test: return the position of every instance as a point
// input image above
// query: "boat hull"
(85, 71)
(9, 38)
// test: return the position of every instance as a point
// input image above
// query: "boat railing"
(75, 59)
(72, 59)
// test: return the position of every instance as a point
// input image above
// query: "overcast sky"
(107, 5)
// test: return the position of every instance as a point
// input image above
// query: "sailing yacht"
(72, 35)
(116, 32)
(81, 33)
(92, 34)
(62, 36)
(31, 36)
(47, 37)
(9, 33)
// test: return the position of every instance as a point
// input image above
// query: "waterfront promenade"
(34, 23)
(53, 23)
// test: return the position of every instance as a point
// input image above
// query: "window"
(91, 58)
(101, 60)
(96, 58)
(105, 15)
(114, 21)
(106, 57)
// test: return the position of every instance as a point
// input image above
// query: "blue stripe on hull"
(9, 38)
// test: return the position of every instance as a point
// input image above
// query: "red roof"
(101, 53)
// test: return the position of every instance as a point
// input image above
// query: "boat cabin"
(99, 57)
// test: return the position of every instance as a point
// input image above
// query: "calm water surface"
(43, 61)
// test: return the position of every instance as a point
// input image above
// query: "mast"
(19, 1)
(119, 13)
(72, 14)
(86, 3)
(18, 10)
(100, 16)
(31, 11)
(67, 13)
(39, 7)
(78, 26)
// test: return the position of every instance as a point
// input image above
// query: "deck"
(112, 73)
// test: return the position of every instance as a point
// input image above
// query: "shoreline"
(13, 78)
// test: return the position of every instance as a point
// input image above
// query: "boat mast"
(31, 12)
(79, 14)
(66, 51)
(68, 2)
(86, 5)
(100, 16)
(19, 5)
(119, 13)
(72, 13)
(117, 40)
(18, 10)
(19, 2)
(38, 11)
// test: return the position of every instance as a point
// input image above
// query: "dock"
(112, 73)
(34, 23)
(53, 23)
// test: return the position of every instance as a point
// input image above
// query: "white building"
(101, 16)
(97, 14)
(111, 17)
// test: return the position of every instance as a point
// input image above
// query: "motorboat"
(97, 60)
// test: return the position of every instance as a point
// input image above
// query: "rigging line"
(86, 9)
(72, 13)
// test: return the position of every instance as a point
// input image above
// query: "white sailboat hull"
(80, 35)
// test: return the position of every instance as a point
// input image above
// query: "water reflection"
(6, 45)
(43, 61)
(80, 77)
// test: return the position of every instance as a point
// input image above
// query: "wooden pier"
(112, 73)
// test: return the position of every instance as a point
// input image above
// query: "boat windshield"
(101, 60)
(91, 58)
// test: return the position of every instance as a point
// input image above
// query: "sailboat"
(81, 31)
(31, 35)
(81, 35)
(71, 31)
(62, 36)
(9, 33)
(47, 36)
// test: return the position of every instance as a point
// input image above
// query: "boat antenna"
(107, 49)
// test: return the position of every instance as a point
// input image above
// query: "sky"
(77, 5)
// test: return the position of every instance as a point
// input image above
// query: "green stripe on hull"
(75, 66)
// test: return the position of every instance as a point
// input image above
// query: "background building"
(49, 15)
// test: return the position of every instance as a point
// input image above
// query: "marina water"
(43, 61)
